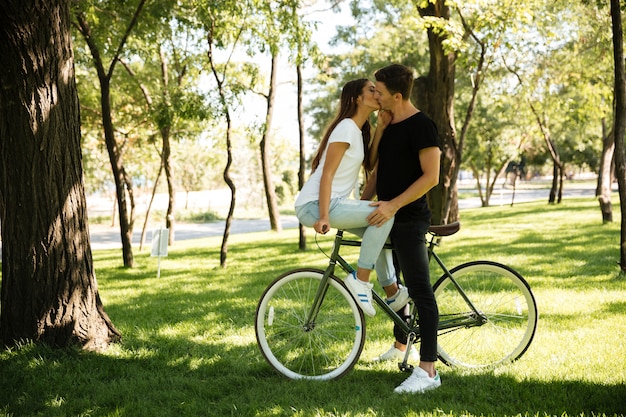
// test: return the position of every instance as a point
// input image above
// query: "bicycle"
(308, 326)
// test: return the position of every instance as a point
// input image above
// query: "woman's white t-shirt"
(347, 174)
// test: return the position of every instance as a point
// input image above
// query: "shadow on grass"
(179, 377)
(188, 344)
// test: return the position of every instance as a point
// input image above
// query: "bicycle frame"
(469, 319)
(308, 325)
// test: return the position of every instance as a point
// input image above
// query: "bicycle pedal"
(405, 367)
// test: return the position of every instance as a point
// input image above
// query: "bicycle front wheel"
(506, 320)
(326, 348)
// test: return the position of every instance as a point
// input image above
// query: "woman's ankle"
(391, 290)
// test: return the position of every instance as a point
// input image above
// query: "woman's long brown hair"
(347, 108)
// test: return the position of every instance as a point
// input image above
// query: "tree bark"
(605, 175)
(558, 170)
(49, 290)
(270, 193)
(435, 96)
(166, 151)
(302, 160)
(619, 127)
(165, 128)
(229, 149)
(122, 184)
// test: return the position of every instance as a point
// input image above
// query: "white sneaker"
(418, 382)
(396, 354)
(399, 299)
(362, 293)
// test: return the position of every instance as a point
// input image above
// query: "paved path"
(106, 237)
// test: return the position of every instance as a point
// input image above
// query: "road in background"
(108, 237)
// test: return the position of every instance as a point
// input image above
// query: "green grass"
(189, 348)
(156, 216)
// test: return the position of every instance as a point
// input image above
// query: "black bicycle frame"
(467, 319)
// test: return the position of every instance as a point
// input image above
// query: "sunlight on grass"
(189, 346)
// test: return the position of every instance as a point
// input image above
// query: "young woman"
(325, 202)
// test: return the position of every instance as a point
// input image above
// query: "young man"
(406, 146)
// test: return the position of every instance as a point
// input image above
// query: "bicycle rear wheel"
(508, 318)
(325, 349)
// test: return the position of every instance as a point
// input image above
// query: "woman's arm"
(334, 154)
(384, 118)
(369, 192)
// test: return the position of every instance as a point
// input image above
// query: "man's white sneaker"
(362, 293)
(399, 299)
(418, 382)
(396, 354)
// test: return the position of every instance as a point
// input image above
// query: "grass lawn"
(189, 348)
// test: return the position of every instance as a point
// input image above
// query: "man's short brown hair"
(397, 78)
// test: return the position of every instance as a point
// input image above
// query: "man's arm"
(429, 160)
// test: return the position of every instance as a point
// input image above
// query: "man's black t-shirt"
(399, 164)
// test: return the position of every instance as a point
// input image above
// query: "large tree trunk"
(619, 127)
(434, 95)
(270, 193)
(49, 290)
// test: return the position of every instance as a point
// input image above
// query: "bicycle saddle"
(444, 229)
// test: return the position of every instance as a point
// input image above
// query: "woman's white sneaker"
(395, 354)
(362, 293)
(399, 299)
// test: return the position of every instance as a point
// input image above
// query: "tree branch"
(129, 29)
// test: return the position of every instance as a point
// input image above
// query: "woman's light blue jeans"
(351, 215)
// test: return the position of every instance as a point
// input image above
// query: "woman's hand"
(384, 118)
(322, 226)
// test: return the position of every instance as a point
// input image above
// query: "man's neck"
(403, 111)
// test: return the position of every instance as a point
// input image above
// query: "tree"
(605, 174)
(562, 79)
(302, 48)
(279, 25)
(473, 36)
(619, 124)
(484, 25)
(265, 149)
(493, 144)
(123, 183)
(223, 24)
(302, 150)
(165, 65)
(436, 97)
(49, 290)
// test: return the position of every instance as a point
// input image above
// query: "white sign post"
(160, 238)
